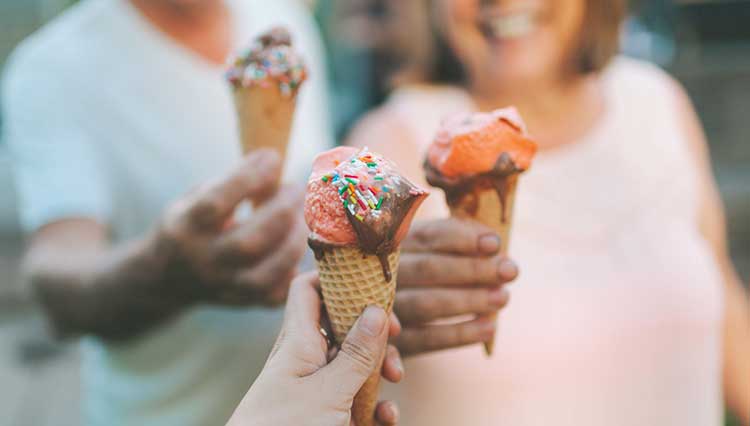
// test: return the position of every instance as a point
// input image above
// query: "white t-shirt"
(108, 118)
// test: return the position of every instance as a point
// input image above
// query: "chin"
(519, 66)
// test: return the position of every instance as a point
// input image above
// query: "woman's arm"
(737, 307)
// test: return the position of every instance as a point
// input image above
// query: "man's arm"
(195, 254)
(87, 286)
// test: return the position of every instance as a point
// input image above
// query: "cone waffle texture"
(489, 212)
(265, 118)
(351, 281)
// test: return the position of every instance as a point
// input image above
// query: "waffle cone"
(265, 118)
(350, 281)
(485, 206)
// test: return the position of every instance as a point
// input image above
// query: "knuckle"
(423, 236)
(478, 301)
(406, 343)
(247, 246)
(460, 335)
(246, 280)
(362, 358)
(205, 212)
(404, 308)
(423, 265)
(484, 270)
(428, 306)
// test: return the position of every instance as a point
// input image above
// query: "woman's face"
(504, 43)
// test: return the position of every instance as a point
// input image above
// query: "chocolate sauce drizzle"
(376, 234)
(278, 36)
(462, 190)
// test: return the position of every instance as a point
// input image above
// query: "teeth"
(513, 26)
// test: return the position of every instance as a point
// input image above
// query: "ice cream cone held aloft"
(265, 81)
(477, 159)
(358, 209)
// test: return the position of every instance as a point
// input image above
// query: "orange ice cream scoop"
(471, 143)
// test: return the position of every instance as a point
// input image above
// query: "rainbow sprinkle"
(361, 184)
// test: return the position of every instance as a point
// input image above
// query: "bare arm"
(736, 332)
(87, 286)
(194, 254)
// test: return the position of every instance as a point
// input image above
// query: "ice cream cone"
(494, 209)
(351, 281)
(266, 79)
(358, 208)
(476, 158)
(265, 118)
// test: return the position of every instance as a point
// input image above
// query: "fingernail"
(489, 243)
(393, 408)
(373, 320)
(400, 365)
(497, 297)
(507, 270)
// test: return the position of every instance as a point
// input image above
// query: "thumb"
(256, 176)
(360, 354)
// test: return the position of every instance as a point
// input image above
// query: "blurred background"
(701, 42)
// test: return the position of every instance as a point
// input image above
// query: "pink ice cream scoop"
(324, 212)
(355, 197)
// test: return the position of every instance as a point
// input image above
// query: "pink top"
(615, 319)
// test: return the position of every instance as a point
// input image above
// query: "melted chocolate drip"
(278, 36)
(376, 234)
(462, 190)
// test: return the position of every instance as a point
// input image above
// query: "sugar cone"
(265, 118)
(351, 281)
(485, 206)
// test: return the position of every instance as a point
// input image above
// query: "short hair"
(423, 53)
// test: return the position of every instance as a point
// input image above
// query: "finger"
(302, 310)
(420, 306)
(452, 236)
(393, 367)
(394, 325)
(215, 202)
(267, 228)
(270, 273)
(278, 295)
(430, 338)
(387, 414)
(303, 345)
(434, 270)
(360, 355)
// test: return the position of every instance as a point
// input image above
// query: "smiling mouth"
(509, 24)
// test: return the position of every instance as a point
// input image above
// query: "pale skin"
(305, 381)
(532, 72)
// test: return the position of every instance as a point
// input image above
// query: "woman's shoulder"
(638, 78)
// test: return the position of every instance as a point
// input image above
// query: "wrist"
(167, 271)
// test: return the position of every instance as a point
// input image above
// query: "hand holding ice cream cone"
(476, 159)
(359, 209)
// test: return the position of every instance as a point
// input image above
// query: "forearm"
(737, 350)
(111, 292)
